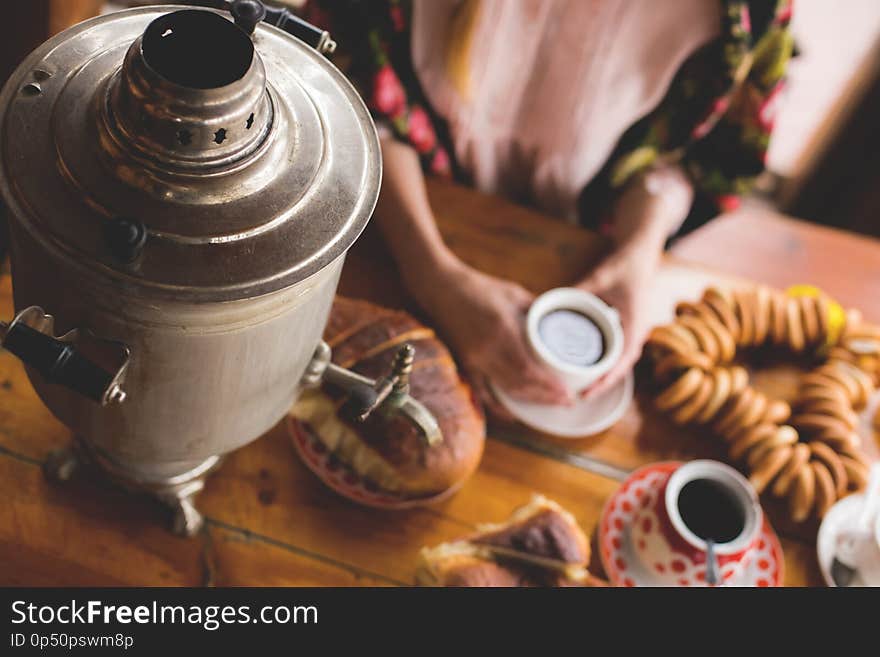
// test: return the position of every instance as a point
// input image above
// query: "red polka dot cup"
(670, 549)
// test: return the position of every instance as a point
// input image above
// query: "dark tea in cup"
(711, 511)
(572, 336)
(576, 334)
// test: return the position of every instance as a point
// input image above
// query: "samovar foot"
(181, 498)
(63, 463)
(176, 490)
(188, 521)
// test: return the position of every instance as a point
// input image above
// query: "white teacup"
(575, 377)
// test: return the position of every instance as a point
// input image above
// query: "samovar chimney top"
(192, 92)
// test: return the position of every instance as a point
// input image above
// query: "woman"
(612, 113)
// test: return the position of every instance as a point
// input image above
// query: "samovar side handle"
(29, 336)
(388, 395)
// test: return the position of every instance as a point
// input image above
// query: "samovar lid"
(164, 147)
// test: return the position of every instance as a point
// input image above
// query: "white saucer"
(585, 417)
(843, 514)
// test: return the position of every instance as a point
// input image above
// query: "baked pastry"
(389, 450)
(808, 452)
(541, 544)
(540, 530)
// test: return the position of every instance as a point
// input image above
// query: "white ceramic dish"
(844, 514)
(585, 417)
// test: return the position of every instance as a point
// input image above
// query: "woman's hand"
(483, 318)
(623, 281)
(652, 208)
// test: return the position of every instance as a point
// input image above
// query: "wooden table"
(270, 522)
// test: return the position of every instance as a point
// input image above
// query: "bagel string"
(809, 452)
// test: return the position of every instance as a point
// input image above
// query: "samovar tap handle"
(388, 395)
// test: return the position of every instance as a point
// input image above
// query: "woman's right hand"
(483, 318)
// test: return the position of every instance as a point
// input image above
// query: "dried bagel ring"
(862, 345)
(779, 316)
(701, 311)
(681, 389)
(675, 362)
(831, 408)
(853, 323)
(863, 383)
(858, 329)
(687, 308)
(689, 409)
(768, 467)
(810, 320)
(856, 472)
(778, 411)
(825, 490)
(720, 394)
(820, 379)
(856, 454)
(822, 452)
(723, 310)
(838, 438)
(870, 365)
(754, 412)
(749, 438)
(739, 379)
(800, 454)
(842, 354)
(746, 315)
(803, 494)
(736, 407)
(815, 393)
(816, 422)
(681, 332)
(794, 328)
(762, 314)
(836, 372)
(665, 337)
(778, 439)
(708, 345)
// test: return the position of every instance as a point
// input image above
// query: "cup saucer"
(841, 516)
(585, 417)
(763, 564)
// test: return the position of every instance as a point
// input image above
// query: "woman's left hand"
(623, 281)
(651, 208)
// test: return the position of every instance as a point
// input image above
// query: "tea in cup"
(576, 334)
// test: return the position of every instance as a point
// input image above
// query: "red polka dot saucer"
(343, 480)
(626, 539)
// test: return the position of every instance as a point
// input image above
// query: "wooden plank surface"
(271, 521)
(782, 251)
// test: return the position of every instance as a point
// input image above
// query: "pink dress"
(550, 85)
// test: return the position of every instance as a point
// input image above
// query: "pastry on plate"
(540, 544)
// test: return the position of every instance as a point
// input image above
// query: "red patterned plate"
(763, 565)
(345, 481)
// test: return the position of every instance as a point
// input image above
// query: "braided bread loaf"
(809, 454)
